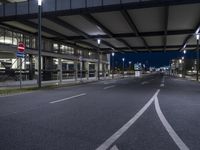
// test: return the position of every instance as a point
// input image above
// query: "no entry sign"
(21, 47)
(21, 50)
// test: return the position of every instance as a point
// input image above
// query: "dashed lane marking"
(68, 98)
(109, 87)
(162, 85)
(145, 82)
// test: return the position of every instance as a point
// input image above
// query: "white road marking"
(125, 127)
(64, 99)
(145, 82)
(162, 85)
(109, 82)
(108, 87)
(114, 148)
(168, 127)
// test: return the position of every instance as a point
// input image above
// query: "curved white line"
(168, 127)
(126, 126)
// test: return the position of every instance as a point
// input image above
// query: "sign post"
(81, 67)
(20, 55)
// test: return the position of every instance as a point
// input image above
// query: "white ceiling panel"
(115, 42)
(154, 41)
(148, 19)
(175, 39)
(184, 16)
(82, 24)
(114, 21)
(53, 26)
(134, 42)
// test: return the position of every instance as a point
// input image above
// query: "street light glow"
(123, 59)
(182, 58)
(184, 51)
(113, 54)
(129, 62)
(197, 36)
(197, 33)
(99, 41)
(39, 2)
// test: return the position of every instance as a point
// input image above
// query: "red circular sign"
(21, 47)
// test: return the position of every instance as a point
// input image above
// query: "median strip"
(68, 98)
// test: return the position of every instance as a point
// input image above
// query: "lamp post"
(197, 37)
(39, 41)
(113, 64)
(123, 60)
(130, 65)
(98, 69)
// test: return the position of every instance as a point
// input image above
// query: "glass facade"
(10, 37)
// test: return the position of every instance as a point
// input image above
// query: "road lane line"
(108, 87)
(114, 148)
(64, 99)
(168, 127)
(125, 127)
(145, 82)
(162, 85)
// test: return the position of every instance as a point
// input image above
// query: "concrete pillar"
(96, 68)
(81, 69)
(76, 69)
(87, 70)
(60, 75)
(31, 67)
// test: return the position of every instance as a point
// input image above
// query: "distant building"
(183, 67)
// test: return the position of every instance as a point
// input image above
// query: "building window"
(32, 42)
(1, 35)
(27, 41)
(8, 37)
(55, 47)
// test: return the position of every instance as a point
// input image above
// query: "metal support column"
(39, 44)
(197, 59)
(98, 69)
(60, 70)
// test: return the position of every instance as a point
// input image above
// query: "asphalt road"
(154, 112)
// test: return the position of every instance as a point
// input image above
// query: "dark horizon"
(151, 59)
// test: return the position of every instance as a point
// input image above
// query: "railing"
(30, 6)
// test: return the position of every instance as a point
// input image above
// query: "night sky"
(153, 59)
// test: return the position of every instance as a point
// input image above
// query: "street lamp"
(113, 64)
(39, 41)
(184, 51)
(123, 60)
(197, 37)
(98, 69)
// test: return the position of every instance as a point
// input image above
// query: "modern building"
(71, 28)
(183, 67)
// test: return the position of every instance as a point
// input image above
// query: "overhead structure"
(122, 25)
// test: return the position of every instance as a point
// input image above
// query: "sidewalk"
(33, 83)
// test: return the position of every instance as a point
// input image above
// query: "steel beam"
(166, 27)
(92, 20)
(134, 27)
